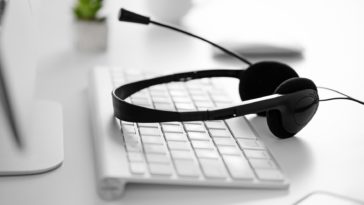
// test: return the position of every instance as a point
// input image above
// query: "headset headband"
(134, 113)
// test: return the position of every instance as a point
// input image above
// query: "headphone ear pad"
(261, 79)
(275, 117)
(275, 124)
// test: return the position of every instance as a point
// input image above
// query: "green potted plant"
(91, 27)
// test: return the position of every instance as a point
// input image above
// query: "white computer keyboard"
(224, 153)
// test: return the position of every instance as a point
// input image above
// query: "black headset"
(268, 88)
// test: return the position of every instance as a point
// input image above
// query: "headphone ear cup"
(275, 124)
(276, 119)
(261, 79)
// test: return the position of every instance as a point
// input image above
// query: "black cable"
(347, 97)
(207, 41)
(333, 90)
(338, 98)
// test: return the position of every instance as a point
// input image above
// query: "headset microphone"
(269, 88)
(132, 17)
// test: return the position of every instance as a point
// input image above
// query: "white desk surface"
(327, 155)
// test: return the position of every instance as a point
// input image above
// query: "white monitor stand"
(37, 124)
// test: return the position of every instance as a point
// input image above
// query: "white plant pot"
(91, 35)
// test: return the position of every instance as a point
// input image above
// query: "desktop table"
(327, 155)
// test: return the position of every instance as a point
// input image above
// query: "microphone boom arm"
(132, 17)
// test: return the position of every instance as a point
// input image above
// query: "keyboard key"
(202, 144)
(206, 153)
(178, 99)
(229, 150)
(131, 138)
(159, 87)
(144, 105)
(182, 154)
(186, 110)
(185, 106)
(132, 142)
(194, 84)
(198, 136)
(217, 91)
(126, 123)
(160, 169)
(213, 168)
(140, 94)
(223, 104)
(172, 128)
(180, 93)
(175, 137)
(176, 86)
(164, 99)
(135, 157)
(154, 148)
(262, 163)
(203, 108)
(137, 167)
(238, 167)
(240, 128)
(250, 144)
(128, 129)
(193, 122)
(197, 97)
(260, 154)
(157, 158)
(215, 125)
(164, 106)
(171, 123)
(155, 125)
(196, 91)
(224, 141)
(220, 98)
(152, 139)
(206, 104)
(139, 98)
(194, 128)
(133, 147)
(219, 133)
(159, 93)
(186, 168)
(269, 174)
(149, 131)
(205, 82)
(141, 102)
(174, 145)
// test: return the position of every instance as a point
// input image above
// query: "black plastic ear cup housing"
(261, 79)
(293, 117)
